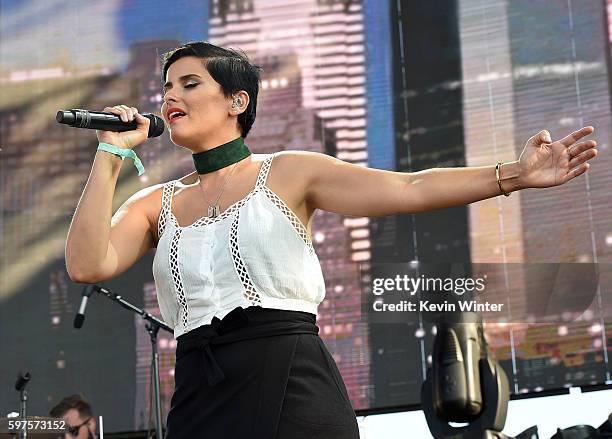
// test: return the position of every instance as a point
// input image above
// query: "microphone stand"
(20, 386)
(153, 325)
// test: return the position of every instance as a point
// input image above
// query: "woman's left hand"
(544, 163)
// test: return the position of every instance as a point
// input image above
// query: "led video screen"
(385, 84)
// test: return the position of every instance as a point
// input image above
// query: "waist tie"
(242, 324)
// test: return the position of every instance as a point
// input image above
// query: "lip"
(171, 121)
(172, 109)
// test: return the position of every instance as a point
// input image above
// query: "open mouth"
(175, 115)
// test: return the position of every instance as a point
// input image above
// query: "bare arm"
(98, 247)
(348, 189)
(337, 186)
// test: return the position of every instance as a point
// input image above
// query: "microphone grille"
(22, 380)
(156, 127)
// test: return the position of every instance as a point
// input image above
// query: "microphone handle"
(93, 119)
(98, 120)
(116, 127)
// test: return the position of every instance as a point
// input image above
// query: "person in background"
(81, 423)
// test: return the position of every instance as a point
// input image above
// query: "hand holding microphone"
(120, 125)
(119, 128)
(126, 139)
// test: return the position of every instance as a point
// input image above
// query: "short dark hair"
(230, 68)
(75, 401)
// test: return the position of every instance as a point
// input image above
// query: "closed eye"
(186, 86)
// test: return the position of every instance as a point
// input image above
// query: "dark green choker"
(221, 156)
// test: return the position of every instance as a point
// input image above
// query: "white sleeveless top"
(256, 252)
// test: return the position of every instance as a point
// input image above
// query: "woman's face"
(207, 111)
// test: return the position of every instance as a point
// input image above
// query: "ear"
(239, 102)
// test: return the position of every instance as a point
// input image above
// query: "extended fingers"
(578, 148)
(577, 135)
(575, 172)
(582, 157)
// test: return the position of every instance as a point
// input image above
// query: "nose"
(168, 101)
(169, 98)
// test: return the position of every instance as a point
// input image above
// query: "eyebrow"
(182, 78)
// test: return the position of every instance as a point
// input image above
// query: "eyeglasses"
(75, 430)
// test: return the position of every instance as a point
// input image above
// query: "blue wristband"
(123, 153)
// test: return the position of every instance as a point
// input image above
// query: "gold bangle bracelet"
(497, 167)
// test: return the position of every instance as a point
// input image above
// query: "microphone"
(80, 316)
(97, 120)
(22, 380)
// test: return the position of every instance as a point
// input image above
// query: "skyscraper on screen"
(513, 89)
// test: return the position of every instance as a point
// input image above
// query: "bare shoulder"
(299, 155)
(303, 163)
(305, 167)
(147, 201)
(292, 176)
(147, 196)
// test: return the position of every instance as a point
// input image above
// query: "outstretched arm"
(337, 186)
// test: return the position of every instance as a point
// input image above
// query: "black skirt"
(258, 373)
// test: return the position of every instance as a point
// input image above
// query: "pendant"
(213, 211)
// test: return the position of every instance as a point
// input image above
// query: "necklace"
(220, 156)
(213, 209)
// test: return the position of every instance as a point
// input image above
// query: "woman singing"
(235, 269)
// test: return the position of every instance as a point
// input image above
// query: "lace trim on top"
(250, 293)
(177, 280)
(206, 220)
(167, 214)
(291, 216)
(166, 196)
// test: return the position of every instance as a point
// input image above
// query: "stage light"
(595, 329)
